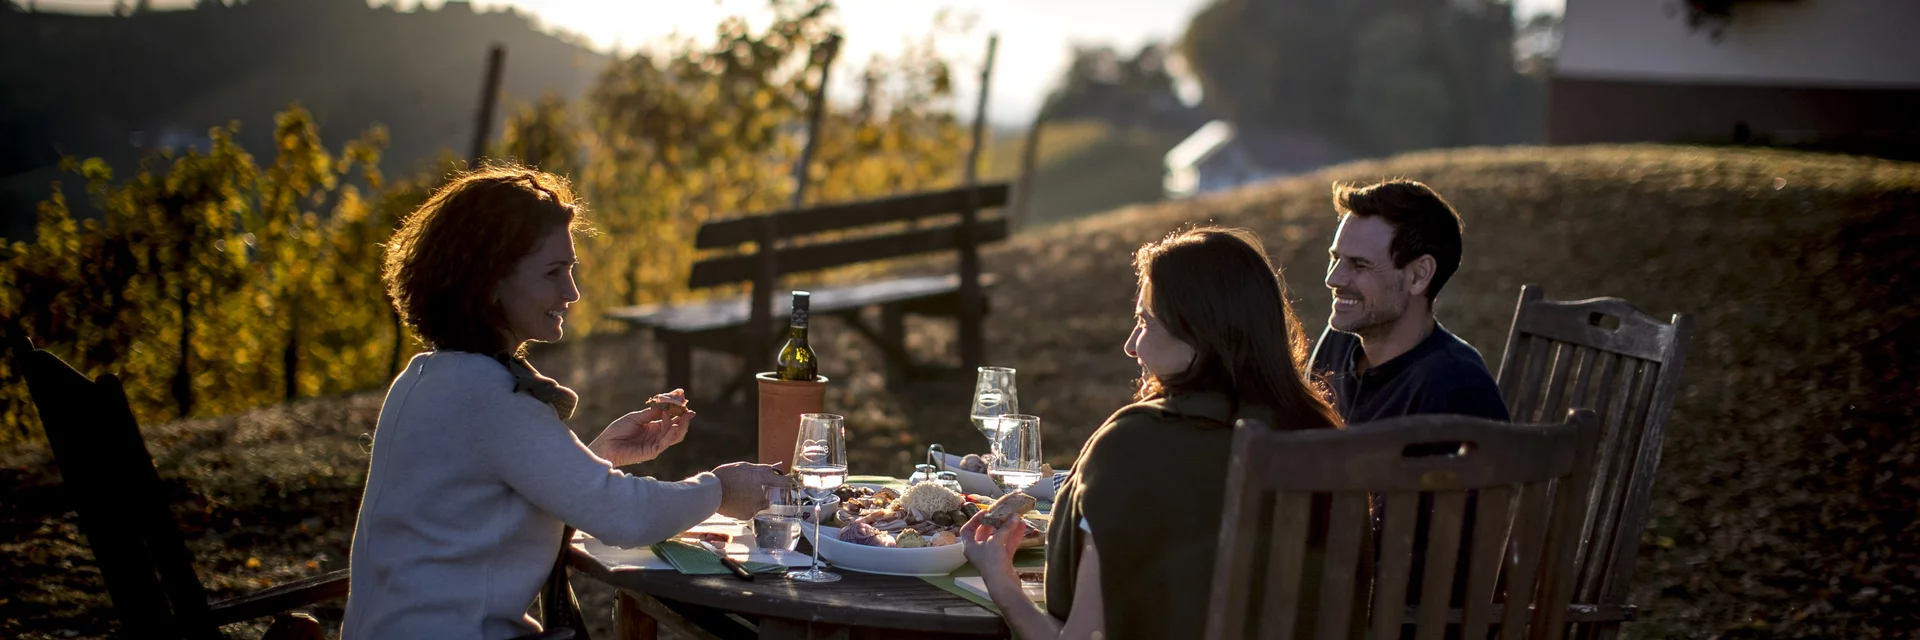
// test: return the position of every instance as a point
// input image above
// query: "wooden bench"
(824, 237)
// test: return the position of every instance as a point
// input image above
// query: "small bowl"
(983, 484)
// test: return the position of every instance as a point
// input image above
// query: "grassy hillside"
(1083, 167)
(1785, 505)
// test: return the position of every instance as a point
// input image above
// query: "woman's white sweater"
(469, 486)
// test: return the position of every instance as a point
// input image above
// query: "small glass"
(820, 462)
(993, 396)
(777, 528)
(1016, 449)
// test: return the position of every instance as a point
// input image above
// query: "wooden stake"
(972, 303)
(489, 95)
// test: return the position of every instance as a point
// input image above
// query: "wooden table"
(860, 605)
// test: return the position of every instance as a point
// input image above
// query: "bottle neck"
(797, 323)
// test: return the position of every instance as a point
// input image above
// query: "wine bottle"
(797, 361)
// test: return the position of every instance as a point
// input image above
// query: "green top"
(1151, 484)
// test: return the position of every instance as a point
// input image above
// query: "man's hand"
(743, 487)
(640, 436)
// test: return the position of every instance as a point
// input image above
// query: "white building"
(1784, 71)
(1220, 156)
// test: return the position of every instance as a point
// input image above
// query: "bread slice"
(1007, 509)
(672, 405)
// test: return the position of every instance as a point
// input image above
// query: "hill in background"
(109, 86)
(1083, 167)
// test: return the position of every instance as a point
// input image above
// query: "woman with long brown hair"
(475, 474)
(1216, 341)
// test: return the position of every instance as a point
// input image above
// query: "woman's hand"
(743, 487)
(991, 550)
(640, 436)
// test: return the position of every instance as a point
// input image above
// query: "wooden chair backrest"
(792, 252)
(1605, 355)
(1528, 477)
(121, 502)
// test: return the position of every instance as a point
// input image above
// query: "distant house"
(1220, 155)
(1794, 72)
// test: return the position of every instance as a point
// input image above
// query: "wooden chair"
(1529, 478)
(129, 526)
(1606, 355)
(824, 237)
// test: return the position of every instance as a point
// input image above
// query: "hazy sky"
(1035, 35)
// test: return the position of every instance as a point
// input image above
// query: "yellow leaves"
(96, 169)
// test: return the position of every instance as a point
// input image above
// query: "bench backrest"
(121, 501)
(791, 230)
(1528, 478)
(1605, 355)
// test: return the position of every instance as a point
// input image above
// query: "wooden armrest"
(1575, 613)
(266, 602)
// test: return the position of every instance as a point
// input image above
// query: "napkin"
(690, 559)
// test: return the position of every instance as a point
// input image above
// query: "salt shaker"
(950, 480)
(921, 473)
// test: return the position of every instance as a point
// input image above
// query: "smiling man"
(1383, 353)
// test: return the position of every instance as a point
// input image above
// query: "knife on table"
(739, 570)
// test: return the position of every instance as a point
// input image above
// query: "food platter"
(914, 532)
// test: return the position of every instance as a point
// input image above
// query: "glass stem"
(815, 571)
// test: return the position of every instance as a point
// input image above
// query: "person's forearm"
(598, 448)
(1028, 620)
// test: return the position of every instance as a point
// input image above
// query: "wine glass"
(777, 527)
(993, 396)
(1016, 452)
(820, 461)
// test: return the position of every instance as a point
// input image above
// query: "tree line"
(213, 281)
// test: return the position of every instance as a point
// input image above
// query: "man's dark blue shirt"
(1442, 374)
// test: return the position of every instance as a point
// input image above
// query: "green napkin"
(691, 559)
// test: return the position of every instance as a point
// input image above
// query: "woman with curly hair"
(475, 476)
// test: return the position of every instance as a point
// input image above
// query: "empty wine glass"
(993, 396)
(1016, 452)
(777, 528)
(820, 462)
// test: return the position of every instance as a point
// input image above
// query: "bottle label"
(799, 316)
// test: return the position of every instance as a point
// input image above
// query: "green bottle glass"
(797, 361)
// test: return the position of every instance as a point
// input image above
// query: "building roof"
(1278, 151)
(1209, 139)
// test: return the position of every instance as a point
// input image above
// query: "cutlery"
(739, 570)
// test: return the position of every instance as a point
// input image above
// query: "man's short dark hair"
(1423, 223)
